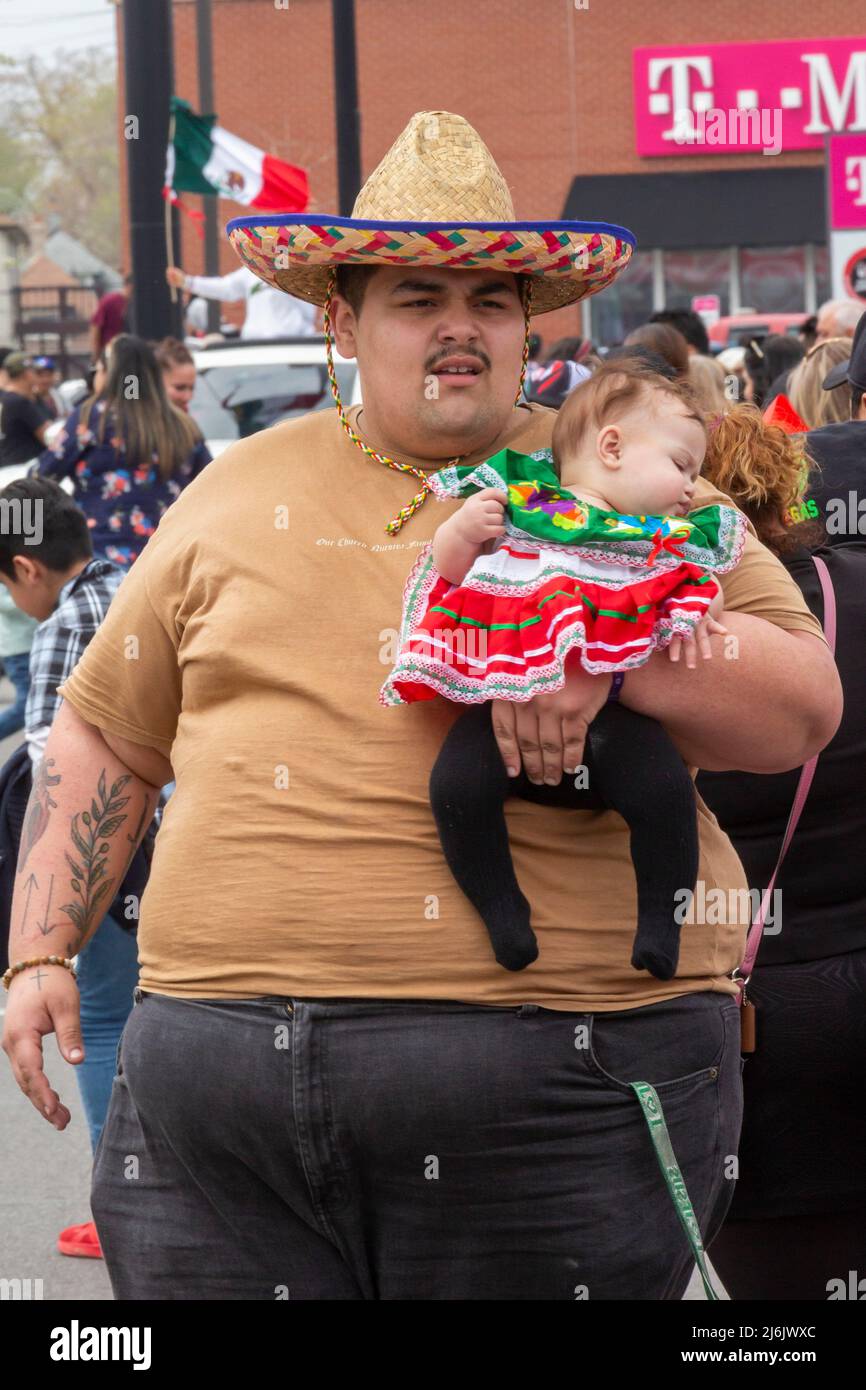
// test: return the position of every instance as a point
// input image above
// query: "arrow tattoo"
(43, 925)
(29, 886)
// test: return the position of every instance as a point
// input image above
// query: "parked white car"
(244, 387)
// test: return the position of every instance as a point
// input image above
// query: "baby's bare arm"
(452, 555)
(460, 540)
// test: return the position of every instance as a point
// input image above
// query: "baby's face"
(660, 453)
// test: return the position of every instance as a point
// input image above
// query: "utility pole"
(147, 62)
(204, 51)
(346, 102)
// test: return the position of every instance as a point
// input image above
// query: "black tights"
(631, 767)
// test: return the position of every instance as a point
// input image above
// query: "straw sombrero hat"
(437, 199)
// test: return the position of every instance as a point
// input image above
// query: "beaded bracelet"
(37, 960)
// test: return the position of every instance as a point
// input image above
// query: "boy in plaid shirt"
(58, 582)
(47, 565)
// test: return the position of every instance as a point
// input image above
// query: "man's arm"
(766, 702)
(228, 288)
(769, 699)
(768, 708)
(93, 798)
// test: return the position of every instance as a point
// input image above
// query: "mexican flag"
(202, 157)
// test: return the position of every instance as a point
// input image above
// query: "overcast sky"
(43, 26)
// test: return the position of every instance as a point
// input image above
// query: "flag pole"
(204, 52)
(169, 230)
(147, 68)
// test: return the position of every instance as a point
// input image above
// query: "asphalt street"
(44, 1186)
(45, 1176)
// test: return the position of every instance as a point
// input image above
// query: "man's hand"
(175, 276)
(549, 731)
(36, 1007)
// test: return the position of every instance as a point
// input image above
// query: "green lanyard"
(654, 1116)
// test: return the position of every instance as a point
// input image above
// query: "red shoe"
(80, 1240)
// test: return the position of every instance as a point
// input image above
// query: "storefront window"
(690, 273)
(822, 275)
(625, 304)
(773, 279)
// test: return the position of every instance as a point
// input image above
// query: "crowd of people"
(362, 877)
(758, 371)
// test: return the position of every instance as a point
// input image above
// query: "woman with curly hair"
(798, 1218)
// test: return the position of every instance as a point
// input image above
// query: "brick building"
(574, 115)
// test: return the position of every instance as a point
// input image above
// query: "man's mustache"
(477, 353)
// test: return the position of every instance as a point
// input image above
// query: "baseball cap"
(854, 370)
(44, 364)
(17, 363)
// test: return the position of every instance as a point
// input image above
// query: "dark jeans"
(403, 1149)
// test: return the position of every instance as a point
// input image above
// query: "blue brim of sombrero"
(567, 260)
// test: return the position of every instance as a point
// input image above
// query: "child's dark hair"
(65, 533)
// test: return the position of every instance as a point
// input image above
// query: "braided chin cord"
(421, 496)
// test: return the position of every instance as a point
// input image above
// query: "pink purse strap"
(753, 940)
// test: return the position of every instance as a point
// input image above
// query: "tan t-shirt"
(298, 855)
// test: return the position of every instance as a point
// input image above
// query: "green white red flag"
(203, 157)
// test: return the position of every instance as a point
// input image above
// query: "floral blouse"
(123, 505)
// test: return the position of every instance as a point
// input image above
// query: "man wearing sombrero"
(328, 1089)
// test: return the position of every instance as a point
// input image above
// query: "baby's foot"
(657, 953)
(514, 942)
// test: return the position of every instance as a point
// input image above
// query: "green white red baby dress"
(566, 576)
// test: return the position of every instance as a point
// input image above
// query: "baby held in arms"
(592, 554)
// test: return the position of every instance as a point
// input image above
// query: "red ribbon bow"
(672, 544)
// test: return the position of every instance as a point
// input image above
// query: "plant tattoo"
(91, 840)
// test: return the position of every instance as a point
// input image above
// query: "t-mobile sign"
(846, 157)
(736, 98)
(846, 214)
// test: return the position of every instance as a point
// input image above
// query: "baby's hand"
(480, 518)
(700, 639)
